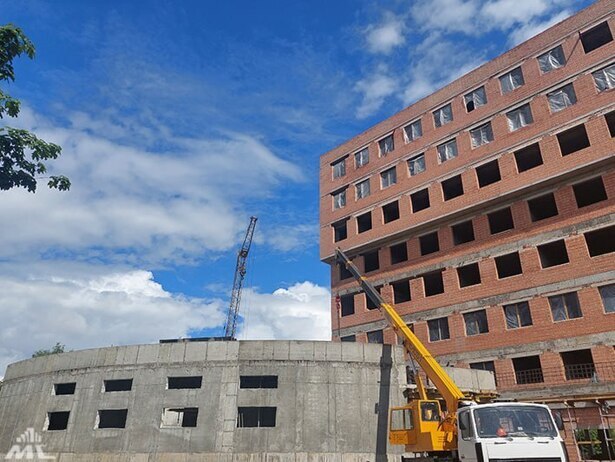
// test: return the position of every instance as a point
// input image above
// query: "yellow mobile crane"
(464, 430)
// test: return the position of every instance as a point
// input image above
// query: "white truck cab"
(509, 432)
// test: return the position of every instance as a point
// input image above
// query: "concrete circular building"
(205, 401)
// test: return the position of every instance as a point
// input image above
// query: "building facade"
(486, 213)
(242, 401)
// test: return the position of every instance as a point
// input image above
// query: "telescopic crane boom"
(240, 272)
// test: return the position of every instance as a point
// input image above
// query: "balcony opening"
(368, 301)
(112, 418)
(596, 37)
(252, 417)
(508, 265)
(349, 338)
(371, 261)
(180, 383)
(399, 253)
(589, 192)
(258, 381)
(453, 187)
(528, 157)
(553, 254)
(429, 243)
(542, 207)
(344, 272)
(463, 232)
(118, 385)
(468, 275)
(401, 291)
(578, 364)
(488, 173)
(528, 370)
(340, 230)
(600, 241)
(183, 417)
(420, 200)
(610, 122)
(573, 140)
(375, 336)
(364, 222)
(390, 212)
(67, 388)
(433, 283)
(500, 220)
(57, 420)
(347, 304)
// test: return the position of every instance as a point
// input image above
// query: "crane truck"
(454, 426)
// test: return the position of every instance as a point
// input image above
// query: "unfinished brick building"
(486, 213)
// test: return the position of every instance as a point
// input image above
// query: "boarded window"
(552, 59)
(573, 140)
(433, 283)
(438, 329)
(463, 232)
(371, 261)
(508, 265)
(447, 151)
(520, 117)
(347, 303)
(429, 243)
(413, 131)
(118, 385)
(361, 158)
(528, 157)
(511, 80)
(476, 322)
(488, 173)
(542, 207)
(468, 275)
(500, 220)
(390, 212)
(420, 200)
(362, 189)
(399, 253)
(416, 164)
(553, 254)
(57, 420)
(250, 417)
(475, 99)
(517, 315)
(112, 418)
(386, 145)
(179, 383)
(565, 306)
(453, 187)
(596, 37)
(258, 381)
(388, 177)
(604, 79)
(562, 98)
(364, 222)
(481, 135)
(67, 388)
(340, 230)
(401, 291)
(339, 168)
(179, 417)
(600, 241)
(443, 115)
(607, 293)
(375, 336)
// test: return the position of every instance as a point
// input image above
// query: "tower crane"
(240, 272)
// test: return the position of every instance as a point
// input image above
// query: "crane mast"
(240, 272)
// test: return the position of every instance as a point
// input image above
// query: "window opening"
(390, 212)
(183, 417)
(468, 275)
(416, 164)
(339, 199)
(447, 151)
(443, 115)
(339, 168)
(251, 417)
(371, 261)
(553, 254)
(349, 338)
(429, 243)
(117, 385)
(481, 135)
(399, 253)
(344, 273)
(401, 291)
(388, 177)
(517, 315)
(520, 117)
(485, 366)
(604, 79)
(528, 157)
(476, 322)
(67, 388)
(452, 187)
(347, 304)
(552, 59)
(433, 283)
(463, 232)
(57, 420)
(500, 220)
(589, 192)
(542, 207)
(578, 364)
(528, 370)
(413, 131)
(438, 329)
(363, 189)
(340, 230)
(179, 383)
(511, 80)
(475, 99)
(610, 122)
(375, 336)
(488, 173)
(364, 222)
(258, 381)
(600, 241)
(368, 301)
(508, 265)
(386, 145)
(596, 37)
(420, 200)
(607, 293)
(112, 418)
(562, 98)
(361, 158)
(565, 306)
(573, 140)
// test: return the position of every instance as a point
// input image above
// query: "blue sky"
(178, 121)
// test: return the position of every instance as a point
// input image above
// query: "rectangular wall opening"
(542, 207)
(463, 232)
(578, 364)
(179, 383)
(179, 417)
(433, 283)
(251, 417)
(476, 322)
(399, 253)
(371, 261)
(344, 272)
(258, 381)
(565, 306)
(347, 304)
(349, 338)
(438, 329)
(508, 265)
(375, 336)
(589, 192)
(390, 212)
(67, 388)
(429, 243)
(368, 301)
(453, 187)
(553, 254)
(500, 220)
(517, 315)
(600, 241)
(528, 157)
(468, 275)
(57, 420)
(364, 222)
(528, 370)
(573, 140)
(610, 122)
(401, 291)
(340, 230)
(596, 37)
(112, 418)
(117, 385)
(420, 200)
(488, 173)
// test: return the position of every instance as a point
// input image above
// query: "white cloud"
(301, 312)
(534, 28)
(384, 37)
(375, 88)
(449, 15)
(287, 238)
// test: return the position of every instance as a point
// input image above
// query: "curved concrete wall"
(332, 402)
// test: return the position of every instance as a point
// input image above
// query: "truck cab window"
(430, 412)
